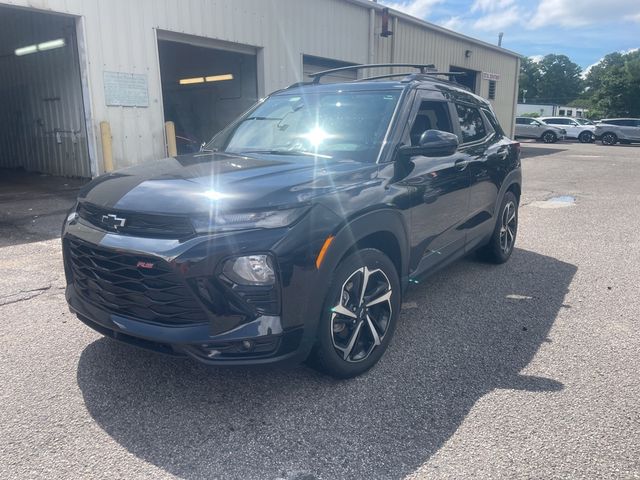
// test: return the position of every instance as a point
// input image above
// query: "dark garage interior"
(43, 142)
(42, 120)
(203, 89)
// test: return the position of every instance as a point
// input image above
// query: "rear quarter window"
(471, 123)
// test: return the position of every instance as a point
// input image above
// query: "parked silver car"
(527, 127)
(613, 130)
(574, 129)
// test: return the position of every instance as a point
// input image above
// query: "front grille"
(138, 224)
(112, 280)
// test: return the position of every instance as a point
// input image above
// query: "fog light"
(247, 345)
(250, 270)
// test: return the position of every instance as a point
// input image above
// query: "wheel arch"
(385, 230)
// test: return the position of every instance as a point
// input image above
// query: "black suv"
(294, 232)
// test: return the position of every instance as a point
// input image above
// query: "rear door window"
(471, 123)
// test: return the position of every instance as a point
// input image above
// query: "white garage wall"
(121, 36)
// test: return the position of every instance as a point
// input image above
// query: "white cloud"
(498, 20)
(416, 8)
(536, 58)
(567, 14)
(490, 5)
(453, 23)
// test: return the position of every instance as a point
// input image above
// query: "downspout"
(393, 41)
(372, 35)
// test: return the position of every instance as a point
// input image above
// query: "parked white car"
(574, 129)
(527, 127)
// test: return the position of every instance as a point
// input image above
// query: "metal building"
(66, 66)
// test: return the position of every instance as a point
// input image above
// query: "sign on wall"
(126, 89)
(490, 76)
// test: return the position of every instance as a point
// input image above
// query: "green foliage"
(529, 78)
(553, 80)
(530, 115)
(613, 85)
(611, 88)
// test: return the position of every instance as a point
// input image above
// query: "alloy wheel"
(549, 137)
(360, 320)
(508, 227)
(609, 139)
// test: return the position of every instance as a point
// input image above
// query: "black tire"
(495, 251)
(347, 347)
(585, 137)
(609, 139)
(549, 137)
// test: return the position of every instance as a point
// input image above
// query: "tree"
(613, 85)
(560, 81)
(529, 78)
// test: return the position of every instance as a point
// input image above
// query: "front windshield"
(340, 125)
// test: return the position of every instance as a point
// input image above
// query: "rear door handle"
(503, 153)
(461, 163)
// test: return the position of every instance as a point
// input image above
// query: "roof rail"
(422, 67)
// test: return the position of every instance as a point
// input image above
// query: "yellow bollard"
(170, 129)
(107, 150)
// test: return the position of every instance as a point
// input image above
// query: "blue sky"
(584, 30)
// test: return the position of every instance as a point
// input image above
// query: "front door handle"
(462, 163)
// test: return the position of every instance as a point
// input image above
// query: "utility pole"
(500, 35)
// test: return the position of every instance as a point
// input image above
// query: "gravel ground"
(525, 370)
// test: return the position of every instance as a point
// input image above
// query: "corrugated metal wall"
(121, 37)
(42, 117)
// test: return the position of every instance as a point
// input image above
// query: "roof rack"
(409, 76)
(422, 67)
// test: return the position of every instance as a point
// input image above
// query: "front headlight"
(224, 222)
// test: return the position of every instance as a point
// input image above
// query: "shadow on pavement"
(529, 152)
(33, 206)
(465, 332)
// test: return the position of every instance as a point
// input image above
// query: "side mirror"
(433, 143)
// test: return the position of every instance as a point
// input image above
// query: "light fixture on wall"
(467, 53)
(40, 47)
(191, 81)
(219, 78)
(210, 78)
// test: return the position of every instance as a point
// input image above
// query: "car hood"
(203, 182)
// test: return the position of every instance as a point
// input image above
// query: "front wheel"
(549, 137)
(359, 316)
(585, 137)
(503, 239)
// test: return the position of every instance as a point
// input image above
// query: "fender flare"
(387, 220)
(514, 177)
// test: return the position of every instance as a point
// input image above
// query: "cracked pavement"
(525, 370)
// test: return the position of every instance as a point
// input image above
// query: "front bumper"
(224, 335)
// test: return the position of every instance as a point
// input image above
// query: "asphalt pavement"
(524, 370)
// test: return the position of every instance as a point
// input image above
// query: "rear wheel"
(609, 139)
(585, 137)
(549, 137)
(503, 239)
(359, 316)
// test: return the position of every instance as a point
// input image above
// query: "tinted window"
(337, 125)
(431, 116)
(523, 121)
(492, 120)
(471, 123)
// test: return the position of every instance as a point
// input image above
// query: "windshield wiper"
(284, 152)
